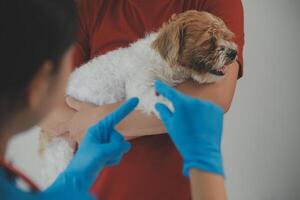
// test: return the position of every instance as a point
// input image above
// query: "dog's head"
(199, 43)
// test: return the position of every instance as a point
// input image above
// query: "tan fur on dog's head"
(198, 42)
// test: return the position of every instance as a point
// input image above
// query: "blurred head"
(36, 40)
(197, 42)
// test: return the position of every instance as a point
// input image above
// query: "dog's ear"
(169, 41)
(219, 27)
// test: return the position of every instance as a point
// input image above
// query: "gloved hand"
(195, 127)
(9, 191)
(102, 146)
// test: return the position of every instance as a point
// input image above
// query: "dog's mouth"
(218, 72)
(222, 70)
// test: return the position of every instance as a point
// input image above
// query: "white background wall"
(262, 129)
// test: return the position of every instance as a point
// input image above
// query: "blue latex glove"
(9, 191)
(195, 127)
(102, 146)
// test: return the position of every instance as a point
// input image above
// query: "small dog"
(193, 44)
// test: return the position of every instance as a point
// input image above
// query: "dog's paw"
(148, 101)
(164, 101)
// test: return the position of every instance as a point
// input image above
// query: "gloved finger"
(114, 149)
(104, 128)
(115, 161)
(112, 154)
(168, 92)
(105, 153)
(116, 136)
(164, 112)
(125, 146)
(119, 114)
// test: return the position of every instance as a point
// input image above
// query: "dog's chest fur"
(115, 76)
(124, 73)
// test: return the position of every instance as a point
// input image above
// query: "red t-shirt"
(153, 167)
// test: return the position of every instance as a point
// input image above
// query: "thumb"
(164, 113)
(114, 150)
(77, 105)
(116, 137)
(62, 128)
(123, 145)
(73, 103)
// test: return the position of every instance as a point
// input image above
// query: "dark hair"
(31, 32)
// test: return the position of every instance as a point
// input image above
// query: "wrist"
(81, 181)
(207, 185)
(212, 163)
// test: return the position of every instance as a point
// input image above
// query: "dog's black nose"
(231, 54)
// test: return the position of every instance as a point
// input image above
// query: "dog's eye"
(222, 48)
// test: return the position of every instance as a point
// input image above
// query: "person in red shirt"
(152, 169)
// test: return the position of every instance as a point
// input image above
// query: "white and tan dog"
(192, 44)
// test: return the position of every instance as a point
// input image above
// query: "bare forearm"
(221, 93)
(207, 186)
(137, 123)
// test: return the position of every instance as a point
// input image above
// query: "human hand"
(66, 189)
(86, 114)
(138, 124)
(102, 146)
(57, 122)
(195, 127)
(71, 119)
(8, 190)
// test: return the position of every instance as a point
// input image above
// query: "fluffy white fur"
(124, 73)
(110, 78)
(56, 157)
(115, 76)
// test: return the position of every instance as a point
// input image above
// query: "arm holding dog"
(140, 124)
(82, 115)
(198, 140)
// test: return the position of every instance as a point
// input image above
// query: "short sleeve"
(231, 11)
(85, 21)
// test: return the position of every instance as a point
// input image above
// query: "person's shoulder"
(89, 11)
(90, 5)
(90, 2)
(206, 5)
